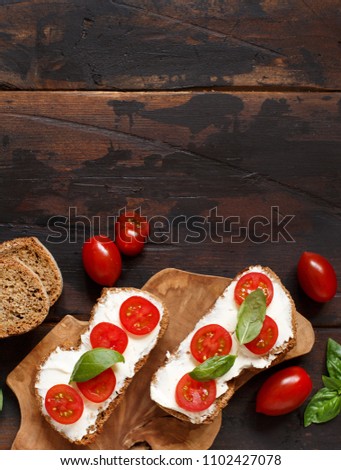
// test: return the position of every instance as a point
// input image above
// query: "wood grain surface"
(148, 45)
(220, 120)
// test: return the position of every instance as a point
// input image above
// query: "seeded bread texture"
(280, 352)
(104, 415)
(36, 256)
(24, 302)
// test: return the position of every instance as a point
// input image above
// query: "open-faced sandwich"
(250, 327)
(78, 388)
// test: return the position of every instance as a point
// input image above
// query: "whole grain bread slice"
(222, 401)
(24, 302)
(36, 256)
(102, 416)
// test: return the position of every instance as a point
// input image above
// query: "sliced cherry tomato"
(64, 404)
(131, 232)
(210, 340)
(110, 336)
(138, 315)
(266, 339)
(193, 395)
(317, 277)
(284, 391)
(250, 282)
(100, 387)
(102, 260)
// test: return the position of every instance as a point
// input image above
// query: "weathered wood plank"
(145, 45)
(237, 130)
(255, 162)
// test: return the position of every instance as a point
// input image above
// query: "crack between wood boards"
(183, 89)
(244, 172)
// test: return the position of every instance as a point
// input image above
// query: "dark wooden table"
(196, 111)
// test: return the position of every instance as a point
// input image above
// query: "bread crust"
(104, 415)
(280, 352)
(37, 257)
(18, 280)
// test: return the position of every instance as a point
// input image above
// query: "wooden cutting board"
(137, 422)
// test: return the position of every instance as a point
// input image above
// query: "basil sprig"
(213, 368)
(251, 316)
(334, 359)
(326, 403)
(93, 363)
(1, 399)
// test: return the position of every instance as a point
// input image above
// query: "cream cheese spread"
(59, 365)
(224, 312)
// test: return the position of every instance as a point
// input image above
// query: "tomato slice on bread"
(99, 388)
(210, 340)
(64, 404)
(266, 339)
(110, 336)
(192, 395)
(250, 282)
(138, 315)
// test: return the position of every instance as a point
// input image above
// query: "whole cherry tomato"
(284, 391)
(316, 277)
(102, 260)
(131, 232)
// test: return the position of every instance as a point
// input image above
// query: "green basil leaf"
(324, 406)
(1, 400)
(251, 316)
(93, 362)
(213, 368)
(332, 383)
(334, 359)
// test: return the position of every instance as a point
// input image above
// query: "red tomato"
(64, 404)
(129, 241)
(98, 388)
(138, 315)
(266, 339)
(102, 260)
(284, 391)
(210, 340)
(193, 395)
(131, 231)
(107, 335)
(250, 282)
(317, 277)
(134, 220)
